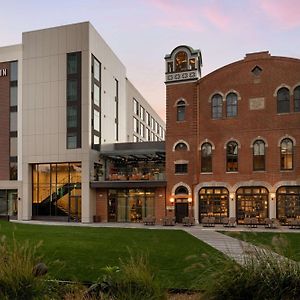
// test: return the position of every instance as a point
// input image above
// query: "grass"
(81, 253)
(287, 244)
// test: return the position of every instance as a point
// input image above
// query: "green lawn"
(177, 258)
(287, 244)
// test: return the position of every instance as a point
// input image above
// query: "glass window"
(72, 63)
(148, 121)
(181, 168)
(181, 61)
(181, 190)
(13, 121)
(72, 141)
(13, 96)
(135, 138)
(96, 120)
(181, 146)
(72, 117)
(135, 107)
(14, 71)
(283, 100)
(232, 157)
(297, 99)
(217, 105)
(13, 170)
(148, 138)
(288, 203)
(192, 64)
(13, 146)
(259, 156)
(96, 69)
(72, 89)
(135, 125)
(96, 141)
(206, 157)
(231, 105)
(286, 154)
(152, 123)
(142, 130)
(96, 94)
(142, 116)
(180, 110)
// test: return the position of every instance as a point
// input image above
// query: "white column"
(272, 205)
(232, 205)
(26, 199)
(196, 206)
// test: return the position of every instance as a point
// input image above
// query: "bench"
(149, 220)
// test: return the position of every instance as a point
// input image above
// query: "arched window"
(180, 110)
(283, 100)
(181, 190)
(216, 106)
(297, 98)
(231, 105)
(181, 61)
(259, 155)
(232, 157)
(286, 154)
(206, 157)
(181, 147)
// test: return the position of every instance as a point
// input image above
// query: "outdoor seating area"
(188, 221)
(208, 222)
(294, 223)
(271, 223)
(168, 221)
(229, 222)
(149, 220)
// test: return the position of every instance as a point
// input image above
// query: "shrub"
(133, 280)
(18, 272)
(264, 275)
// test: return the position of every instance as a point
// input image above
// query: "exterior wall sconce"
(231, 195)
(190, 200)
(272, 195)
(172, 200)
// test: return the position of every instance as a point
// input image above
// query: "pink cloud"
(176, 15)
(216, 17)
(284, 13)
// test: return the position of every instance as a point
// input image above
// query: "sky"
(142, 32)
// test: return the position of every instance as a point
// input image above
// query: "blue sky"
(141, 32)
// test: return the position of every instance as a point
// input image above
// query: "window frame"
(281, 109)
(206, 161)
(230, 157)
(285, 156)
(219, 113)
(180, 110)
(231, 108)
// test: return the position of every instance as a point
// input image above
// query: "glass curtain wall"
(57, 190)
(130, 205)
(8, 204)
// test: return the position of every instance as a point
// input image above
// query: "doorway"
(181, 211)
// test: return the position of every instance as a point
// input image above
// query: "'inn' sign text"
(3, 72)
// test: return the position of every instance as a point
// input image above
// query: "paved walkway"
(236, 249)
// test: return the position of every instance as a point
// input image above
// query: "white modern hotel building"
(63, 94)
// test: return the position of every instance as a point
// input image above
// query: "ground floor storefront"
(8, 203)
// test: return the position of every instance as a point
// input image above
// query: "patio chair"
(149, 220)
(168, 221)
(188, 221)
(231, 222)
(205, 222)
(211, 221)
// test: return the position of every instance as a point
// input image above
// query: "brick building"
(232, 137)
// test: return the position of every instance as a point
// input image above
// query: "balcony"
(131, 165)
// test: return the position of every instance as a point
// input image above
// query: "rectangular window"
(142, 130)
(97, 70)
(72, 117)
(13, 170)
(135, 138)
(96, 120)
(13, 146)
(96, 102)
(13, 121)
(147, 118)
(13, 96)
(73, 100)
(181, 168)
(72, 141)
(116, 110)
(152, 123)
(96, 95)
(135, 125)
(148, 137)
(142, 114)
(13, 71)
(152, 137)
(135, 107)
